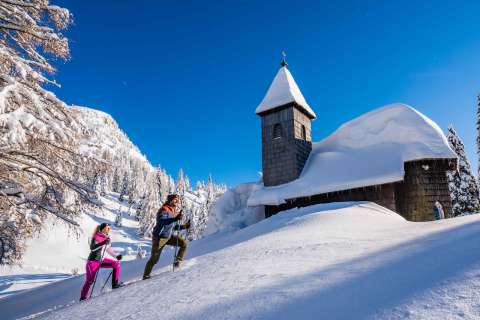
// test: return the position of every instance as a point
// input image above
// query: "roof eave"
(285, 106)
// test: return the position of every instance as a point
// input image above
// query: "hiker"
(438, 211)
(100, 244)
(167, 217)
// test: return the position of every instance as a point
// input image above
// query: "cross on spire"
(284, 61)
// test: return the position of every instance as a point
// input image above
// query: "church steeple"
(282, 91)
(286, 129)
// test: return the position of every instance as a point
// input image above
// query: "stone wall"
(283, 158)
(424, 183)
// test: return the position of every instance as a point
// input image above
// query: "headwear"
(103, 225)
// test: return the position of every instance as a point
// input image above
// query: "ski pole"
(96, 274)
(106, 281)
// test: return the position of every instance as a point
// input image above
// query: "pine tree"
(163, 184)
(116, 186)
(124, 190)
(462, 184)
(181, 189)
(187, 184)
(132, 186)
(103, 184)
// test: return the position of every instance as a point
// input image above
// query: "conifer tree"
(124, 190)
(181, 189)
(116, 186)
(462, 184)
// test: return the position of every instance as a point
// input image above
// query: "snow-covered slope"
(102, 134)
(369, 150)
(59, 252)
(329, 261)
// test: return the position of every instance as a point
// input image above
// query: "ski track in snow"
(330, 261)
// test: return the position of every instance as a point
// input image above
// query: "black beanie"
(103, 225)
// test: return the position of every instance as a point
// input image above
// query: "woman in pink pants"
(101, 240)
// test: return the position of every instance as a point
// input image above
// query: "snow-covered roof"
(369, 150)
(283, 90)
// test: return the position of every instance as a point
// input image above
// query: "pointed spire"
(284, 60)
(282, 91)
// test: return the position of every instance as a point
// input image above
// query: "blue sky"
(183, 78)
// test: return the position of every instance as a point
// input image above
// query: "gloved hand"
(187, 225)
(119, 257)
(179, 217)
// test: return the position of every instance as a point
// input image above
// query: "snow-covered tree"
(211, 196)
(181, 189)
(30, 33)
(141, 253)
(119, 219)
(478, 137)
(163, 184)
(462, 184)
(116, 183)
(187, 184)
(124, 188)
(38, 146)
(102, 184)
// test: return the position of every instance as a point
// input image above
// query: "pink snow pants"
(92, 268)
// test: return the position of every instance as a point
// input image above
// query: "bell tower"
(286, 129)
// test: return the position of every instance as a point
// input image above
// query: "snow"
(368, 150)
(353, 260)
(57, 253)
(103, 135)
(230, 212)
(24, 111)
(283, 90)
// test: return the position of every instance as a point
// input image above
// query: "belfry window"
(304, 132)
(277, 131)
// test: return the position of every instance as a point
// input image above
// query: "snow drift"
(329, 261)
(231, 212)
(368, 150)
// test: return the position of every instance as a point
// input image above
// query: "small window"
(277, 131)
(304, 132)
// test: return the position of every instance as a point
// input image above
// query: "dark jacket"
(96, 246)
(166, 218)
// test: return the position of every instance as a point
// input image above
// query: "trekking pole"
(96, 274)
(176, 247)
(106, 281)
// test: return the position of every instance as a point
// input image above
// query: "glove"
(119, 257)
(179, 217)
(187, 225)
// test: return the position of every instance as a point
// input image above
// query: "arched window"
(304, 132)
(277, 131)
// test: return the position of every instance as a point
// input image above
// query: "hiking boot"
(118, 285)
(176, 264)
